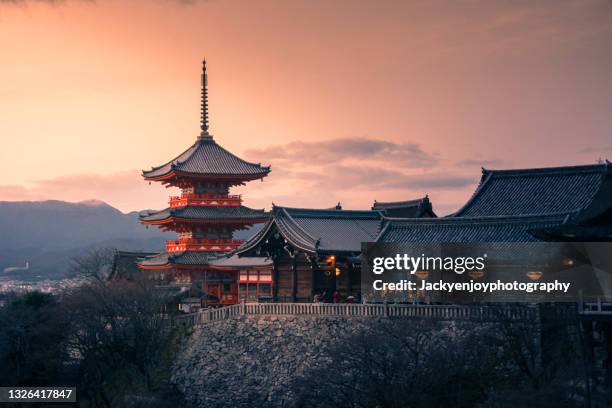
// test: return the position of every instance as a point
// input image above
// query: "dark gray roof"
(183, 258)
(319, 230)
(544, 191)
(467, 229)
(206, 157)
(213, 259)
(405, 209)
(234, 261)
(125, 264)
(216, 213)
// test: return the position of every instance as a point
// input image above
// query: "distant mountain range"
(47, 234)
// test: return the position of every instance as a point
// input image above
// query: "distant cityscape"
(10, 284)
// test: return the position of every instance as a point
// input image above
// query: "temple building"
(315, 251)
(205, 215)
(572, 203)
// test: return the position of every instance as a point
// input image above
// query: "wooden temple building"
(205, 215)
(316, 251)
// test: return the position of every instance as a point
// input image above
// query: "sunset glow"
(347, 101)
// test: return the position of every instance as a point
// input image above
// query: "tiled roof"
(467, 229)
(320, 230)
(206, 157)
(125, 264)
(545, 191)
(204, 258)
(205, 212)
(184, 258)
(234, 261)
(405, 209)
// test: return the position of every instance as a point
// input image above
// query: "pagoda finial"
(204, 106)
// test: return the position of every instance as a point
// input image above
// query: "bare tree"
(96, 263)
(123, 339)
(403, 363)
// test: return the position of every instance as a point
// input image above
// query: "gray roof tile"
(320, 230)
(206, 212)
(206, 157)
(545, 191)
(467, 229)
(184, 258)
(405, 209)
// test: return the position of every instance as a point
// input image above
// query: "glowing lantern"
(476, 274)
(534, 275)
(567, 262)
(338, 272)
(422, 274)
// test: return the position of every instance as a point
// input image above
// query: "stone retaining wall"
(254, 360)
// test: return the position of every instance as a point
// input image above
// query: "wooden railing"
(478, 313)
(439, 312)
(207, 315)
(205, 200)
(203, 244)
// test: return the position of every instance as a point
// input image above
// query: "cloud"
(355, 171)
(480, 163)
(341, 150)
(591, 150)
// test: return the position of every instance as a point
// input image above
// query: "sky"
(348, 101)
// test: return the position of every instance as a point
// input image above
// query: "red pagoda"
(204, 216)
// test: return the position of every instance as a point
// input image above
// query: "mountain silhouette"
(48, 233)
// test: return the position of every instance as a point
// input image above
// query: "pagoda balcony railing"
(203, 244)
(205, 200)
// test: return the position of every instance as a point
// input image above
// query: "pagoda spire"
(204, 106)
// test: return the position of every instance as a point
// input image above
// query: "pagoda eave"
(176, 220)
(171, 265)
(236, 178)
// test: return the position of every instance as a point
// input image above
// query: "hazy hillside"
(49, 233)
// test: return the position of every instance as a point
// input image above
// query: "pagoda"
(204, 215)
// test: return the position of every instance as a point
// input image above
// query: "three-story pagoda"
(205, 215)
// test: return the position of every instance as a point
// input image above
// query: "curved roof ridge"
(170, 162)
(486, 176)
(545, 190)
(251, 242)
(415, 201)
(332, 210)
(298, 227)
(237, 157)
(329, 213)
(588, 168)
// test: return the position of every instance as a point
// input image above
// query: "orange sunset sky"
(348, 101)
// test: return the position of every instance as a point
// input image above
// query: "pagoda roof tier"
(205, 159)
(205, 214)
(166, 260)
(190, 259)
